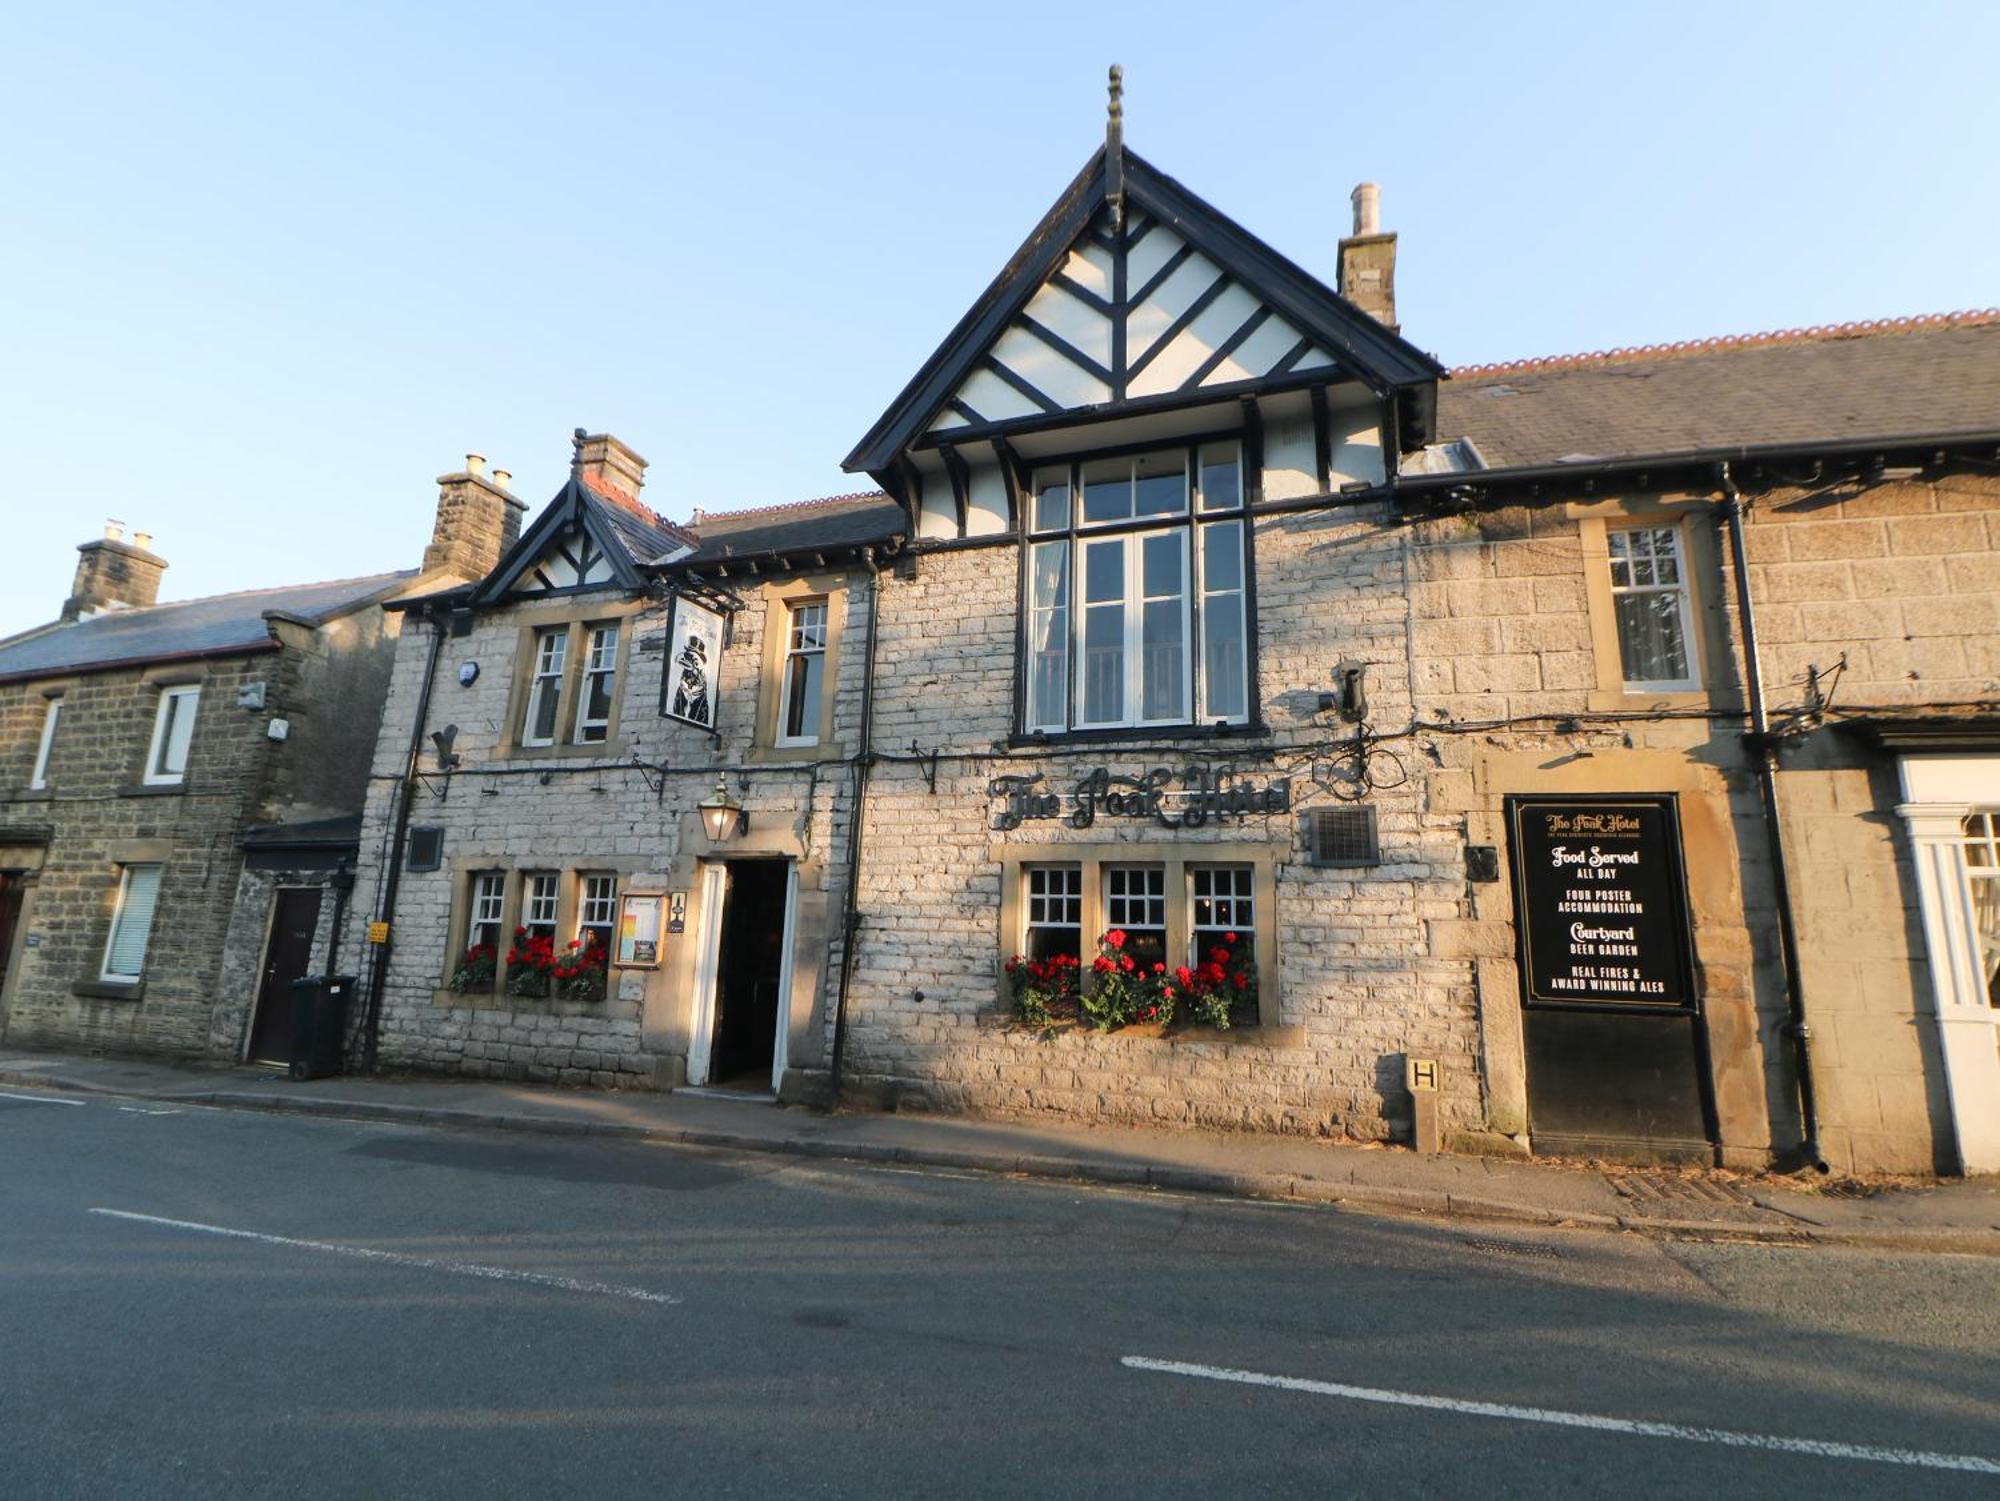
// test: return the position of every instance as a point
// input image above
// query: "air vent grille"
(1341, 838)
(426, 848)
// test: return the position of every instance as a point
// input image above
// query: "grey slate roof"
(800, 529)
(1919, 377)
(185, 628)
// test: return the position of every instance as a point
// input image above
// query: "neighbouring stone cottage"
(180, 791)
(1251, 724)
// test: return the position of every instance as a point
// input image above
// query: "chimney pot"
(475, 463)
(1367, 198)
(143, 541)
(114, 530)
(504, 478)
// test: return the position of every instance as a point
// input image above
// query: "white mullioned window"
(803, 682)
(540, 901)
(1650, 599)
(1136, 606)
(544, 707)
(1135, 903)
(489, 904)
(600, 681)
(597, 911)
(1054, 912)
(173, 733)
(131, 924)
(1982, 871)
(50, 715)
(1222, 921)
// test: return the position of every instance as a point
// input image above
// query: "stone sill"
(33, 795)
(109, 990)
(1263, 1036)
(157, 789)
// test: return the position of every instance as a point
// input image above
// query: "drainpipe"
(851, 918)
(1766, 751)
(343, 887)
(386, 912)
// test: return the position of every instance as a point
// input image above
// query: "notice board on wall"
(1600, 901)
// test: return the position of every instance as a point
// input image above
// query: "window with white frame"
(1222, 922)
(173, 732)
(1136, 592)
(804, 673)
(597, 912)
(540, 901)
(489, 905)
(39, 778)
(600, 680)
(1135, 903)
(1055, 912)
(1982, 869)
(1650, 601)
(542, 717)
(131, 924)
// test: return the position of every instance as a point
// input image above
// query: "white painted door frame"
(708, 954)
(1938, 792)
(781, 1044)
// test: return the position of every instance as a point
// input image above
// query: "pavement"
(1961, 1216)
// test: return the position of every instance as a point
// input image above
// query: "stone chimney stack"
(1368, 260)
(610, 467)
(113, 574)
(478, 519)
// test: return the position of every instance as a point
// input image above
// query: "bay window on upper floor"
(1136, 591)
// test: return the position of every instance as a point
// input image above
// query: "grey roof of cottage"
(1906, 378)
(215, 626)
(829, 524)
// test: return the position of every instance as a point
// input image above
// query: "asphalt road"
(412, 1312)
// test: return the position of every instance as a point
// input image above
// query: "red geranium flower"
(1116, 938)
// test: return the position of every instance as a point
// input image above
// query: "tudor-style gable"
(1134, 308)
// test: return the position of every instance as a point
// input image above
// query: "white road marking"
(37, 1099)
(136, 1110)
(1817, 1448)
(424, 1263)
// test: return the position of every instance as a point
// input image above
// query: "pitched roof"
(1358, 344)
(645, 532)
(1893, 379)
(186, 628)
(803, 527)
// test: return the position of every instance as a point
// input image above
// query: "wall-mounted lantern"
(721, 815)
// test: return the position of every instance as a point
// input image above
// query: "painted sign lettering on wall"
(1600, 900)
(694, 664)
(1197, 796)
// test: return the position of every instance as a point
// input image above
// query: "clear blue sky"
(268, 270)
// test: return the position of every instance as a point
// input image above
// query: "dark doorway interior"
(287, 956)
(10, 918)
(749, 971)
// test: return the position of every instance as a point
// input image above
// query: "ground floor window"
(597, 912)
(479, 963)
(1055, 912)
(131, 924)
(1135, 903)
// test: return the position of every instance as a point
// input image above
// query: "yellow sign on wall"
(378, 932)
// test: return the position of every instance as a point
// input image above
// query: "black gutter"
(386, 911)
(1765, 749)
(851, 918)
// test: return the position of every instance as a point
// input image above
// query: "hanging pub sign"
(1600, 900)
(639, 932)
(1196, 796)
(694, 663)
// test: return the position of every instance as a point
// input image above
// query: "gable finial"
(1114, 145)
(576, 451)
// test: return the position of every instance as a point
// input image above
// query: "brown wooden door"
(287, 956)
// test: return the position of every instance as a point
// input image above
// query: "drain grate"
(1513, 1248)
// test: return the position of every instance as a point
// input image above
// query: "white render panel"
(1257, 354)
(993, 398)
(986, 502)
(1085, 327)
(947, 419)
(1151, 253)
(1195, 343)
(1291, 461)
(1055, 375)
(938, 516)
(1313, 358)
(1089, 265)
(1357, 445)
(1176, 295)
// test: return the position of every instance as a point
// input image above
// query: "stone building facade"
(1202, 612)
(179, 794)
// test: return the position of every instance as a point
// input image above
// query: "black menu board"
(1600, 900)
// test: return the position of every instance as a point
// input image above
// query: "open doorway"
(750, 960)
